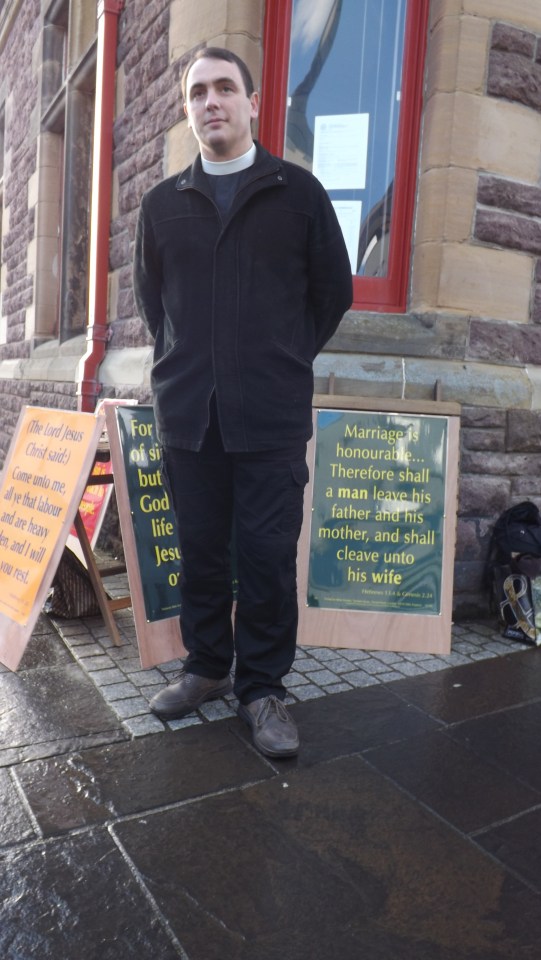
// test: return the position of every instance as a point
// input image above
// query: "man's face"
(219, 110)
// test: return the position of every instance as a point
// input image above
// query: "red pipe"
(88, 386)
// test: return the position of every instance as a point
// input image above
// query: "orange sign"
(39, 493)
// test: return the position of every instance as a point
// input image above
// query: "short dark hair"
(219, 53)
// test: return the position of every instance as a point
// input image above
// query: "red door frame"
(383, 294)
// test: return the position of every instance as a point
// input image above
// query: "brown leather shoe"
(274, 731)
(187, 694)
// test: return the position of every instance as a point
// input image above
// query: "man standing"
(241, 275)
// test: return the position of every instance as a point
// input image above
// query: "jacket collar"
(267, 170)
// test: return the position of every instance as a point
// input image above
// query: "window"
(342, 93)
(67, 112)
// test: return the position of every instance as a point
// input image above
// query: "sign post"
(44, 477)
(148, 532)
(377, 545)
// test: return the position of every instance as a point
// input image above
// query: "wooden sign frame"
(44, 477)
(159, 640)
(413, 632)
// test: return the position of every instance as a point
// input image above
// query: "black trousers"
(256, 501)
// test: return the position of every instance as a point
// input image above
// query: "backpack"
(514, 561)
(517, 536)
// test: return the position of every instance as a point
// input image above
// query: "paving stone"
(338, 687)
(89, 787)
(15, 824)
(459, 785)
(131, 707)
(143, 726)
(308, 665)
(308, 692)
(459, 693)
(217, 710)
(50, 913)
(322, 677)
(103, 678)
(222, 896)
(42, 709)
(340, 665)
(359, 678)
(118, 691)
(87, 650)
(295, 679)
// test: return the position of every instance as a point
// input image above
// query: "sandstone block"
(485, 282)
(446, 205)
(481, 133)
(444, 8)
(457, 55)
(524, 13)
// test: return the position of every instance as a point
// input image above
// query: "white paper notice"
(349, 218)
(340, 151)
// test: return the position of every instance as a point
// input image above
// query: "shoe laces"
(179, 675)
(272, 704)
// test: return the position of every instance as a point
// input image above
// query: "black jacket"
(240, 306)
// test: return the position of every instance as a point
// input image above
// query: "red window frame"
(383, 294)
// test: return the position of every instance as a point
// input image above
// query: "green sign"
(152, 516)
(376, 540)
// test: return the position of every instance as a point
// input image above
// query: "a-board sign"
(92, 508)
(377, 546)
(148, 531)
(44, 477)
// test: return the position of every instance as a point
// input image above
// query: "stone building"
(441, 205)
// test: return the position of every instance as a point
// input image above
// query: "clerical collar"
(230, 166)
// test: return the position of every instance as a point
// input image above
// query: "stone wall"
(19, 60)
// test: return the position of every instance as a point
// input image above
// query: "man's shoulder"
(161, 191)
(293, 171)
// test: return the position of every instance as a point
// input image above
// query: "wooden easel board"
(148, 532)
(376, 551)
(43, 480)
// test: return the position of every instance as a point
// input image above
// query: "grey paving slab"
(332, 861)
(77, 899)
(400, 832)
(462, 692)
(93, 786)
(510, 739)
(15, 822)
(517, 845)
(461, 786)
(42, 708)
(365, 718)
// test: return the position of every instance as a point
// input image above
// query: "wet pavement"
(408, 828)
